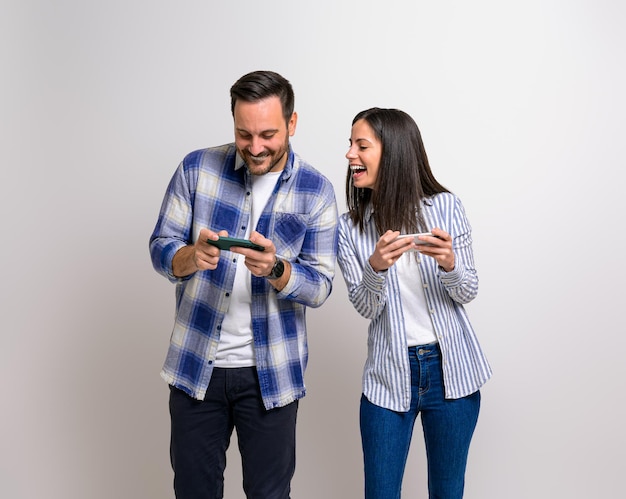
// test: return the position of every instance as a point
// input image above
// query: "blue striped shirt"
(211, 189)
(386, 376)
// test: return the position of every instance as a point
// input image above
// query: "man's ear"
(291, 125)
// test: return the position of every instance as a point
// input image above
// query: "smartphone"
(416, 240)
(225, 243)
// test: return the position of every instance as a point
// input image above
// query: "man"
(238, 350)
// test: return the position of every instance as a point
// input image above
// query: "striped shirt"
(387, 376)
(211, 189)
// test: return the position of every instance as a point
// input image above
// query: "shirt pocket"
(289, 232)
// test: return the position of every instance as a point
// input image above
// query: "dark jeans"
(448, 426)
(201, 432)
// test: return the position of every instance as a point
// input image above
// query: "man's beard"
(275, 158)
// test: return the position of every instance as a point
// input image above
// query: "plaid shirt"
(211, 189)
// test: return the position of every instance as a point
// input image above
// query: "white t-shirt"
(236, 347)
(417, 319)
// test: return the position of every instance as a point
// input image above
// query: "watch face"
(277, 270)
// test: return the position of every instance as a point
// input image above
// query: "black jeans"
(201, 432)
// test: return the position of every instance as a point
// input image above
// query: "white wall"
(522, 107)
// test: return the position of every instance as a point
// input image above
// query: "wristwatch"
(277, 270)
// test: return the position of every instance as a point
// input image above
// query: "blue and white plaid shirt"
(211, 189)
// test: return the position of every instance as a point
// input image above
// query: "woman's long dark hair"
(404, 175)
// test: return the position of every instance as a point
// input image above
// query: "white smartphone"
(415, 239)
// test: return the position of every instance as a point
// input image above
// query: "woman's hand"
(388, 249)
(439, 247)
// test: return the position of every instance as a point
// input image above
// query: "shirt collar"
(369, 212)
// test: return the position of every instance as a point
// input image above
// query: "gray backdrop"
(522, 107)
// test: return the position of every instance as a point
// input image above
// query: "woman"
(423, 356)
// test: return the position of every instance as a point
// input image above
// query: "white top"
(236, 346)
(418, 322)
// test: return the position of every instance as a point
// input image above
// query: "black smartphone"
(225, 243)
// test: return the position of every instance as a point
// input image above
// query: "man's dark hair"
(260, 85)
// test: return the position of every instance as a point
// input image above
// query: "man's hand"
(198, 256)
(260, 263)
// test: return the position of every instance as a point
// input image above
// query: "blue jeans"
(201, 431)
(448, 426)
